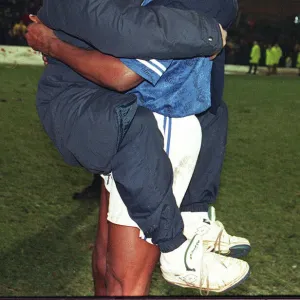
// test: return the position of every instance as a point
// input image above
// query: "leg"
(130, 262)
(204, 186)
(250, 68)
(205, 183)
(100, 249)
(190, 264)
(144, 177)
(255, 69)
(122, 263)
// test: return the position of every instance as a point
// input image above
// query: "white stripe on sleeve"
(148, 65)
(160, 65)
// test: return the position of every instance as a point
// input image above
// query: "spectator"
(19, 29)
(277, 54)
(269, 59)
(18, 33)
(288, 61)
(254, 58)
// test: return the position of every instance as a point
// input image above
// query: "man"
(269, 59)
(277, 54)
(77, 62)
(254, 58)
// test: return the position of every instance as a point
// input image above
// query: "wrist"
(54, 46)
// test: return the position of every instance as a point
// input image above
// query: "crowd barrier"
(15, 55)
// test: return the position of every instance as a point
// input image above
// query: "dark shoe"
(93, 191)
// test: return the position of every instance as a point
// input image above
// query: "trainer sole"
(232, 285)
(237, 251)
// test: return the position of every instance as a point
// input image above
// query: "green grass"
(45, 235)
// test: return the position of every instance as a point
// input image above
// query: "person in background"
(277, 53)
(298, 60)
(18, 33)
(254, 58)
(269, 59)
(288, 61)
(19, 29)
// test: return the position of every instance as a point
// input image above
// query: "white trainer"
(215, 237)
(191, 266)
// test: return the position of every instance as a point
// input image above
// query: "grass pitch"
(46, 237)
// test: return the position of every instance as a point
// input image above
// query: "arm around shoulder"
(126, 29)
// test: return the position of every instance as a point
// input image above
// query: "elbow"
(118, 79)
(121, 89)
(115, 83)
(121, 86)
(126, 82)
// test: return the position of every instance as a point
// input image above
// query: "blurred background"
(266, 21)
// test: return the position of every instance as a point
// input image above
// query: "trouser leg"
(250, 68)
(205, 183)
(144, 177)
(255, 69)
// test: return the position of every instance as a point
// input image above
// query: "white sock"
(203, 215)
(195, 216)
(192, 221)
(174, 259)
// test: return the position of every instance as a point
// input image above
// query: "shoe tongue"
(206, 221)
(204, 227)
(212, 213)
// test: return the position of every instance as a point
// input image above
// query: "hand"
(224, 38)
(35, 19)
(45, 60)
(214, 56)
(40, 37)
(224, 35)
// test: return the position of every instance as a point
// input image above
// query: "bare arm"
(105, 70)
(102, 69)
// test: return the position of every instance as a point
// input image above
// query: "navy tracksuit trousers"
(144, 176)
